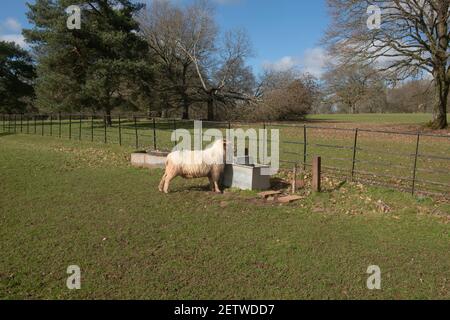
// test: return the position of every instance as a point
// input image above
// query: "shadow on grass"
(4, 134)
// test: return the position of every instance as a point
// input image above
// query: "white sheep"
(196, 164)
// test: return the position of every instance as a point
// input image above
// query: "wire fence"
(412, 162)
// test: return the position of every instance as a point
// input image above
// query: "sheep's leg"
(169, 177)
(161, 184)
(216, 186)
(211, 183)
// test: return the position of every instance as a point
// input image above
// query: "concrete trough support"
(245, 177)
(150, 160)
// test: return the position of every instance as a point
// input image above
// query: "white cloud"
(17, 38)
(284, 64)
(314, 61)
(12, 25)
(10, 31)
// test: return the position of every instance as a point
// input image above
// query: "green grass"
(69, 202)
(381, 158)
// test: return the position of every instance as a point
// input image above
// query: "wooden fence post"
(294, 179)
(317, 166)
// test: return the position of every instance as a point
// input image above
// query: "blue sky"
(284, 33)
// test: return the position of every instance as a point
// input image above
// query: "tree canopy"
(17, 74)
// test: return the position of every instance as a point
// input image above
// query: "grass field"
(75, 202)
(381, 158)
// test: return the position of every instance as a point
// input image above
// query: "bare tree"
(353, 85)
(413, 39)
(174, 34)
(285, 95)
(222, 71)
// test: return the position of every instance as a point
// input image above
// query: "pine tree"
(102, 66)
(16, 78)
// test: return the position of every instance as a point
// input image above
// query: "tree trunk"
(440, 103)
(211, 116)
(185, 108)
(108, 117)
(441, 78)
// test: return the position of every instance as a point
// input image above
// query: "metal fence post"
(136, 132)
(60, 125)
(154, 134)
(120, 131)
(70, 126)
(28, 125)
(175, 131)
(413, 189)
(79, 133)
(21, 122)
(51, 125)
(35, 125)
(305, 144)
(42, 126)
(105, 119)
(92, 128)
(15, 120)
(355, 143)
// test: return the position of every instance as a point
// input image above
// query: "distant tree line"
(170, 60)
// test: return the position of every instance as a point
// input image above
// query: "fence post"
(35, 125)
(70, 126)
(60, 125)
(28, 124)
(79, 133)
(154, 134)
(317, 166)
(175, 129)
(355, 143)
(294, 179)
(15, 117)
(51, 125)
(42, 125)
(92, 128)
(105, 119)
(305, 144)
(413, 190)
(120, 131)
(264, 144)
(136, 133)
(21, 122)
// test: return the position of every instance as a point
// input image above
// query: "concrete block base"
(245, 177)
(151, 160)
